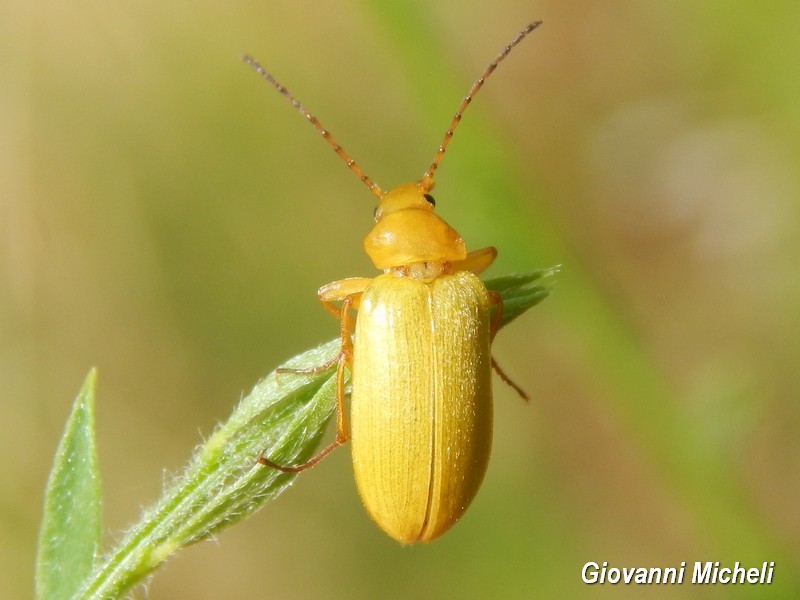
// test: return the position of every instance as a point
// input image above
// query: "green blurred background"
(167, 217)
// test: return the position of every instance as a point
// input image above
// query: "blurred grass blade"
(70, 533)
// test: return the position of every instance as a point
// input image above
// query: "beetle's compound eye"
(430, 199)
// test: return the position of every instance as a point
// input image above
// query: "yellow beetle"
(420, 358)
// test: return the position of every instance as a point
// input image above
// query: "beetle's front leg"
(348, 292)
(329, 294)
(477, 261)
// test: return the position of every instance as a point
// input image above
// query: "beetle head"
(407, 231)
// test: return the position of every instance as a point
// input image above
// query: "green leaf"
(521, 291)
(70, 534)
(284, 417)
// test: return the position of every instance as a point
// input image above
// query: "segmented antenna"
(351, 164)
(427, 178)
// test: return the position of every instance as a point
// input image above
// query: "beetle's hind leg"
(497, 300)
(342, 431)
(523, 394)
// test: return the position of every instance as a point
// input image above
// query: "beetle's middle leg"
(329, 294)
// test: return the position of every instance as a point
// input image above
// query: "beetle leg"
(311, 370)
(345, 359)
(342, 360)
(349, 292)
(336, 291)
(522, 393)
(328, 294)
(477, 261)
(342, 433)
(496, 299)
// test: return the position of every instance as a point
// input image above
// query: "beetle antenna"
(351, 164)
(427, 179)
